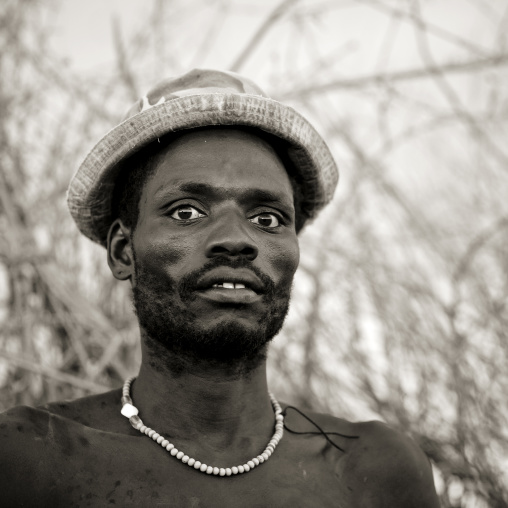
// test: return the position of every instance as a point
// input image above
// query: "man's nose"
(230, 236)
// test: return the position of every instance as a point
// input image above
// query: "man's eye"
(267, 220)
(186, 212)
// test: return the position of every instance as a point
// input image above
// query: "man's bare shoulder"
(381, 465)
(36, 441)
(95, 411)
(100, 412)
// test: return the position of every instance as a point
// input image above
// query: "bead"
(135, 421)
(129, 410)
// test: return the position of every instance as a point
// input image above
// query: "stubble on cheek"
(285, 261)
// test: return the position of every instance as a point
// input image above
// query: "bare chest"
(107, 470)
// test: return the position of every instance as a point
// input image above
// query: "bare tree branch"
(62, 377)
(272, 18)
(410, 74)
(125, 72)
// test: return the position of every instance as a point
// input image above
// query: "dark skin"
(85, 453)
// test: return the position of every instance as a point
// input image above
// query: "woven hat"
(199, 98)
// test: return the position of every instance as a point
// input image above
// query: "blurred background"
(399, 309)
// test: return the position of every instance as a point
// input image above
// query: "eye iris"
(266, 220)
(185, 213)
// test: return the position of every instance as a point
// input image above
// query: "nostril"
(218, 249)
(233, 249)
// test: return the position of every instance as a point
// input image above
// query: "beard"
(175, 337)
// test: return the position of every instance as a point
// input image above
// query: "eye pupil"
(265, 220)
(185, 213)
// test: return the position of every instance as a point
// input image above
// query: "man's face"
(215, 247)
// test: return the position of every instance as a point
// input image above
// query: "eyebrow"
(249, 195)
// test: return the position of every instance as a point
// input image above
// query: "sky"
(83, 28)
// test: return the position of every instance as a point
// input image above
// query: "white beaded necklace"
(131, 412)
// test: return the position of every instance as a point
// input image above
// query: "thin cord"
(321, 431)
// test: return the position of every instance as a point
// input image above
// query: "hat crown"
(195, 82)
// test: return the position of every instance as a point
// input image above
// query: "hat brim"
(91, 189)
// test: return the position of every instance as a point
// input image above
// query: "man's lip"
(230, 296)
(237, 275)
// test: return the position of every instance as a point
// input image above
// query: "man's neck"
(211, 407)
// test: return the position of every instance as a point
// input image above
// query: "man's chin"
(180, 332)
(229, 345)
(226, 339)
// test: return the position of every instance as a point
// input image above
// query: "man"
(198, 197)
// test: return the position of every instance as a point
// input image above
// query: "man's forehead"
(223, 158)
(226, 136)
(247, 194)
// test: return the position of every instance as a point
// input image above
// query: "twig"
(475, 245)
(425, 25)
(260, 33)
(123, 68)
(451, 96)
(62, 377)
(381, 78)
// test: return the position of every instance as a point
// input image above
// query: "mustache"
(188, 284)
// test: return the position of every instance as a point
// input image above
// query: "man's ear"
(120, 254)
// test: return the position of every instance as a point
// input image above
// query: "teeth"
(229, 285)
